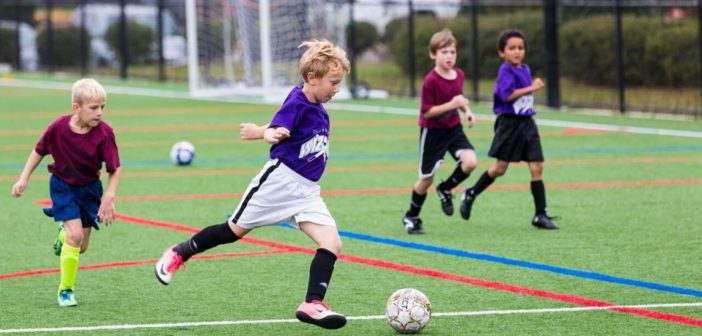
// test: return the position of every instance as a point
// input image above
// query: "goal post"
(248, 48)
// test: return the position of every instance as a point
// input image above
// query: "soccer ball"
(408, 310)
(182, 153)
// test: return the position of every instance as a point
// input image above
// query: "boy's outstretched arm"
(251, 131)
(276, 134)
(32, 163)
(536, 85)
(106, 213)
(456, 102)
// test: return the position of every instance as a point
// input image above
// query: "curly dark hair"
(508, 34)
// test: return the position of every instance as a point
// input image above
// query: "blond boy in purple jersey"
(286, 189)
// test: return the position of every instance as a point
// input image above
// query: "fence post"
(84, 47)
(551, 45)
(475, 67)
(699, 46)
(410, 51)
(49, 37)
(620, 57)
(123, 39)
(352, 48)
(159, 28)
(18, 50)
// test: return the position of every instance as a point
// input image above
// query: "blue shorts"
(76, 201)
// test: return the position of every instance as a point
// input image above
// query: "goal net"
(248, 48)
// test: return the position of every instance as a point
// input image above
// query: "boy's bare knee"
(332, 244)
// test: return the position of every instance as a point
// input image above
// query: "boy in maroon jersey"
(79, 143)
(441, 130)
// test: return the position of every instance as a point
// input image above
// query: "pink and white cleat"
(169, 263)
(319, 314)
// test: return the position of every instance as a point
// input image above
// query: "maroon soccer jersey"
(77, 157)
(438, 90)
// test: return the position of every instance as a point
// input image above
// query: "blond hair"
(441, 40)
(321, 57)
(87, 89)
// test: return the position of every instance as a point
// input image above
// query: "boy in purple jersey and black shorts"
(516, 135)
(441, 130)
(79, 143)
(286, 189)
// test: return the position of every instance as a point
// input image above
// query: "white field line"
(346, 106)
(367, 317)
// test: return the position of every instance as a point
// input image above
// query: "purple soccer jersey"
(509, 79)
(438, 90)
(307, 149)
(77, 157)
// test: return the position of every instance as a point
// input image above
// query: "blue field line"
(519, 263)
(344, 157)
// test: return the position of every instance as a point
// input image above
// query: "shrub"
(530, 22)
(139, 40)
(365, 36)
(588, 50)
(66, 42)
(8, 41)
(673, 53)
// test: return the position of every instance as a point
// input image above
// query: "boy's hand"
(275, 135)
(537, 84)
(18, 188)
(459, 101)
(250, 131)
(470, 117)
(106, 213)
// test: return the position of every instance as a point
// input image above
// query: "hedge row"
(489, 27)
(66, 45)
(656, 52)
(8, 41)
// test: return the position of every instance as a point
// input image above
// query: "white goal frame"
(266, 88)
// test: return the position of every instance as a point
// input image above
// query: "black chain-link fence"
(637, 55)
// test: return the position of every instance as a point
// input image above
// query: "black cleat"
(446, 199)
(467, 200)
(544, 222)
(413, 225)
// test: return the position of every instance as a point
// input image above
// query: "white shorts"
(278, 195)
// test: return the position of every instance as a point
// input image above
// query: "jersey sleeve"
(427, 95)
(42, 146)
(285, 117)
(506, 84)
(110, 153)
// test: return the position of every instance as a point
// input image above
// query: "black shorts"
(435, 142)
(516, 139)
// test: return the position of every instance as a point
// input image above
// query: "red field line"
(140, 262)
(566, 298)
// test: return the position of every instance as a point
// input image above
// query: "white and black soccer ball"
(182, 153)
(408, 310)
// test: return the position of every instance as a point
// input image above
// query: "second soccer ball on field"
(182, 153)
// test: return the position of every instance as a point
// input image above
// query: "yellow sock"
(62, 235)
(69, 266)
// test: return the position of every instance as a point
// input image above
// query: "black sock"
(455, 179)
(539, 192)
(206, 239)
(483, 183)
(416, 204)
(321, 270)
